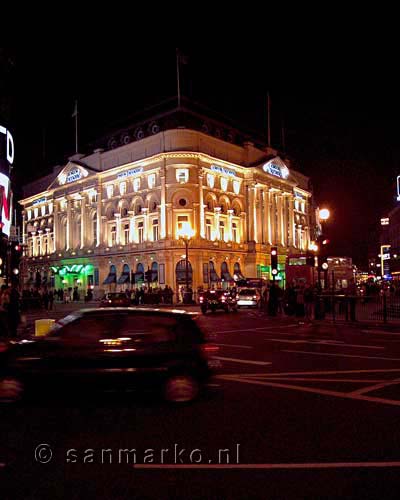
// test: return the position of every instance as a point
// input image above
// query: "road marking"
(326, 372)
(380, 332)
(376, 387)
(245, 361)
(324, 392)
(311, 465)
(341, 355)
(326, 342)
(235, 345)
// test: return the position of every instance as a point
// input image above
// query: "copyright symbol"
(43, 453)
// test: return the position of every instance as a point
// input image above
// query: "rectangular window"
(161, 274)
(39, 246)
(208, 229)
(122, 188)
(110, 191)
(155, 229)
(126, 234)
(181, 220)
(94, 230)
(221, 230)
(136, 184)
(182, 175)
(234, 232)
(113, 235)
(140, 232)
(151, 181)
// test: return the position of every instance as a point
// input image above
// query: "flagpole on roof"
(75, 115)
(178, 84)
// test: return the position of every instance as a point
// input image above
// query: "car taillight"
(201, 299)
(209, 349)
(254, 296)
(223, 299)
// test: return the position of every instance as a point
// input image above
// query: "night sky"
(341, 123)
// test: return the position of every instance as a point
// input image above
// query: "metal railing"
(377, 308)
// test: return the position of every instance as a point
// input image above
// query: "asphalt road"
(300, 411)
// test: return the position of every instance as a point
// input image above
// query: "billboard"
(6, 161)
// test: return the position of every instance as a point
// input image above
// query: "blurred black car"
(115, 299)
(211, 300)
(111, 349)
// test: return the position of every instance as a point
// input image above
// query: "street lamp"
(186, 233)
(324, 214)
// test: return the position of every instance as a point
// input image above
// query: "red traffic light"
(17, 248)
(325, 242)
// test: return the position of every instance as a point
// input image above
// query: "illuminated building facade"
(106, 218)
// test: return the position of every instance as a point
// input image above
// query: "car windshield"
(247, 291)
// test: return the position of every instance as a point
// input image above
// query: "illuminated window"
(210, 180)
(224, 183)
(110, 191)
(151, 181)
(182, 175)
(122, 188)
(36, 212)
(50, 208)
(140, 232)
(94, 230)
(181, 220)
(39, 246)
(124, 212)
(113, 235)
(43, 209)
(236, 187)
(208, 229)
(136, 184)
(296, 204)
(29, 214)
(155, 229)
(221, 230)
(235, 232)
(126, 234)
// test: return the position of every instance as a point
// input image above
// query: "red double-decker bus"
(299, 269)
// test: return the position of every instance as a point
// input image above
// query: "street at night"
(301, 408)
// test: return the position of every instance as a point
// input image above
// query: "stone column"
(118, 228)
(55, 227)
(163, 219)
(230, 232)
(291, 221)
(217, 212)
(34, 248)
(267, 216)
(201, 201)
(131, 226)
(274, 240)
(145, 224)
(243, 230)
(83, 219)
(69, 230)
(98, 216)
(170, 229)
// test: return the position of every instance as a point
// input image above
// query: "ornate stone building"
(104, 219)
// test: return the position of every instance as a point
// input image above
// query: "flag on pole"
(75, 113)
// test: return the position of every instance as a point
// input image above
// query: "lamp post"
(323, 215)
(186, 233)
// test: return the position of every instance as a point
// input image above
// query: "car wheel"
(11, 390)
(181, 389)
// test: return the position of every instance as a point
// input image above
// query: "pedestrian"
(300, 301)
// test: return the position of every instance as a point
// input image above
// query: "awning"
(124, 278)
(111, 278)
(226, 276)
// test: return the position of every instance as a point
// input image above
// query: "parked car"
(211, 300)
(112, 349)
(249, 297)
(115, 299)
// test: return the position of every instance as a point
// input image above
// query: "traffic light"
(274, 261)
(310, 259)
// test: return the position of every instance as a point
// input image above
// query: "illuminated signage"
(223, 170)
(385, 221)
(5, 204)
(40, 200)
(299, 195)
(276, 168)
(398, 188)
(129, 173)
(9, 144)
(385, 260)
(73, 175)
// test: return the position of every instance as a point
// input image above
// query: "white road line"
(235, 345)
(311, 465)
(327, 342)
(341, 355)
(380, 332)
(376, 387)
(326, 372)
(245, 361)
(324, 392)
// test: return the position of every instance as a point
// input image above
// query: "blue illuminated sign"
(40, 200)
(223, 170)
(129, 173)
(276, 170)
(73, 175)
